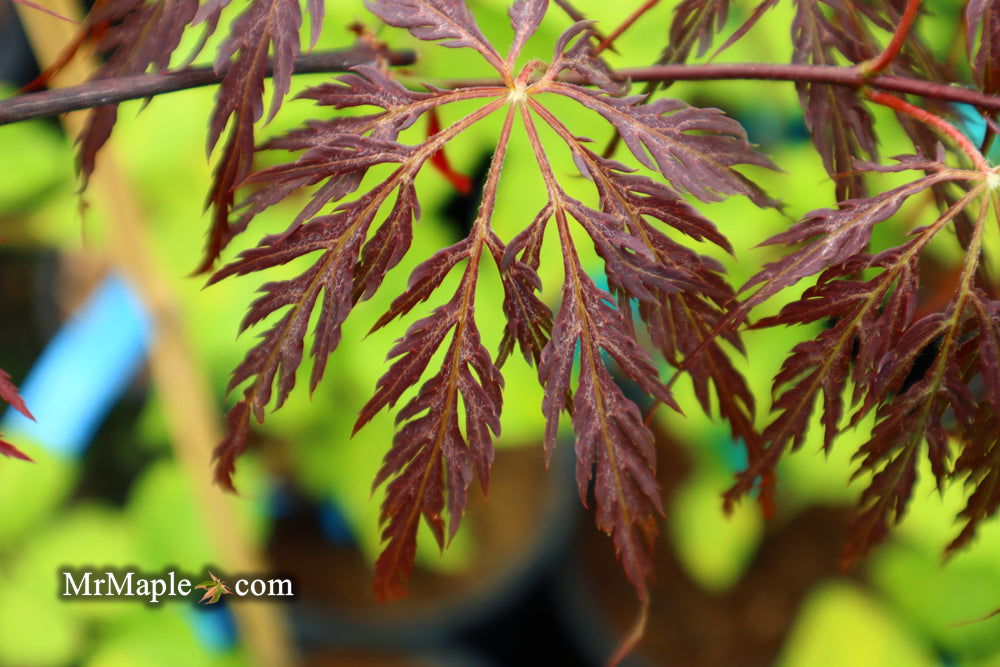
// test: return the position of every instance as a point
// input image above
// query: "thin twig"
(625, 25)
(38, 8)
(577, 15)
(934, 121)
(884, 59)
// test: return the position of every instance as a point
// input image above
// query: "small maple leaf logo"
(215, 588)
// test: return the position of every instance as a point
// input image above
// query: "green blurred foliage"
(843, 625)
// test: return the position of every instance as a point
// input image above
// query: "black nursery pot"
(519, 536)
(688, 625)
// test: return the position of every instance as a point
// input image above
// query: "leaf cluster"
(926, 372)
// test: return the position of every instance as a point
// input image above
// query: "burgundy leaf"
(815, 367)
(914, 415)
(525, 17)
(265, 27)
(369, 86)
(695, 149)
(432, 20)
(529, 321)
(612, 441)
(275, 359)
(840, 125)
(689, 305)
(695, 22)
(982, 17)
(915, 373)
(337, 152)
(979, 463)
(432, 463)
(350, 266)
(834, 235)
(582, 59)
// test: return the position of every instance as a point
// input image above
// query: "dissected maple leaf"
(979, 462)
(840, 234)
(917, 374)
(446, 428)
(696, 22)
(214, 588)
(690, 305)
(695, 149)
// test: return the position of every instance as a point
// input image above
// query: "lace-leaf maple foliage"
(446, 431)
(873, 344)
(926, 373)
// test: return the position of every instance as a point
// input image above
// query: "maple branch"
(885, 58)
(838, 75)
(113, 91)
(121, 89)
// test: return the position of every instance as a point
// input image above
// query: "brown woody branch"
(112, 91)
(121, 89)
(848, 76)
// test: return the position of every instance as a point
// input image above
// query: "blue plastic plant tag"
(83, 370)
(974, 127)
(214, 626)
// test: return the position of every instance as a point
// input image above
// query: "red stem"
(934, 121)
(577, 15)
(626, 24)
(885, 58)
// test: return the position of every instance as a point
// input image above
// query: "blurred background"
(123, 357)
